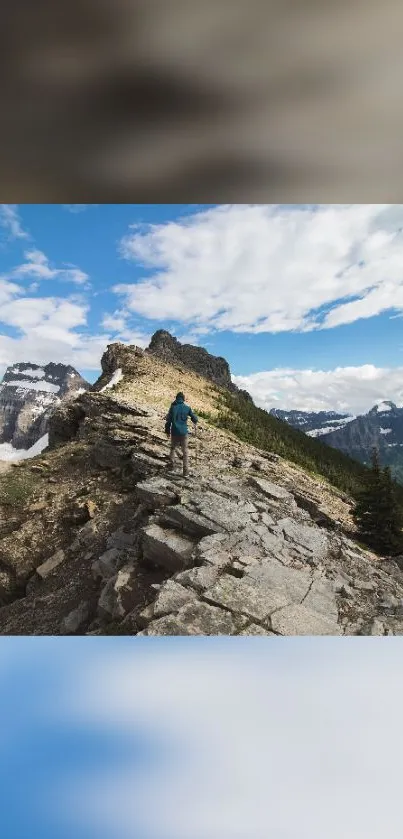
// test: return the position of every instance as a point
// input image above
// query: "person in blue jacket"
(176, 427)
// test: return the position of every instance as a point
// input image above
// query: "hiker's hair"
(180, 395)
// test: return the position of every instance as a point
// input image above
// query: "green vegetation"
(16, 488)
(378, 515)
(258, 428)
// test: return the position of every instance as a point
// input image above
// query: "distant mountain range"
(381, 427)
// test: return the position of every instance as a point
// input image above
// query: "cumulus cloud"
(268, 268)
(37, 265)
(251, 740)
(49, 329)
(344, 389)
(11, 222)
(115, 322)
(8, 291)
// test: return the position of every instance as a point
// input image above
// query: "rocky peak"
(28, 394)
(215, 368)
(382, 408)
(50, 378)
(116, 357)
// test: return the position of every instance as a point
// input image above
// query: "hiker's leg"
(185, 452)
(172, 452)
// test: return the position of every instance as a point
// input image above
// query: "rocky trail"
(101, 538)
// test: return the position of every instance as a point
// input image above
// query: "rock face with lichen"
(100, 537)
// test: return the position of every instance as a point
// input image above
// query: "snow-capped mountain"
(315, 424)
(28, 394)
(381, 427)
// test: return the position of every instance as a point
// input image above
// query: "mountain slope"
(381, 427)
(28, 394)
(96, 536)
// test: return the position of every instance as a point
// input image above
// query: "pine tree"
(377, 513)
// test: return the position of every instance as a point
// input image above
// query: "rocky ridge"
(108, 540)
(215, 368)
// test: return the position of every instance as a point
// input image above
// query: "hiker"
(176, 428)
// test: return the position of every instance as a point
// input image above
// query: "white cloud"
(269, 268)
(344, 389)
(133, 337)
(288, 738)
(11, 222)
(114, 323)
(8, 291)
(37, 265)
(49, 330)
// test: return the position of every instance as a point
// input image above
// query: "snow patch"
(46, 387)
(385, 430)
(317, 432)
(38, 373)
(384, 406)
(117, 377)
(8, 452)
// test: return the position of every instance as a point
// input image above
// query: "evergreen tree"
(377, 513)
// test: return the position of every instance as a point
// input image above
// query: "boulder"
(183, 518)
(107, 565)
(122, 539)
(199, 578)
(75, 620)
(166, 548)
(85, 536)
(156, 492)
(119, 595)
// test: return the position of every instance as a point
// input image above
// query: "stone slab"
(239, 597)
(298, 620)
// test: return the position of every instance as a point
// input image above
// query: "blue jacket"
(177, 417)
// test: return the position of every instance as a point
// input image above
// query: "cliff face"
(215, 368)
(28, 394)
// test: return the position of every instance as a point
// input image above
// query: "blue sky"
(304, 301)
(187, 738)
